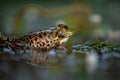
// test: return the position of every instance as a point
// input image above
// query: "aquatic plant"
(99, 46)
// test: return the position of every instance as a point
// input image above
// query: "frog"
(44, 39)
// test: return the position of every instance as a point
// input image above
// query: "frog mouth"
(69, 34)
(64, 40)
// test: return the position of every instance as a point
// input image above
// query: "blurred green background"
(89, 18)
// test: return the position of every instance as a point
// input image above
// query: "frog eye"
(62, 26)
(66, 27)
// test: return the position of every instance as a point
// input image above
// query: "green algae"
(97, 45)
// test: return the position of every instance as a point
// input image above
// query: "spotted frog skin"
(50, 38)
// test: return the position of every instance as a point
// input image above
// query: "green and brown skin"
(44, 39)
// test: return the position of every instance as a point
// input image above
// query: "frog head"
(64, 33)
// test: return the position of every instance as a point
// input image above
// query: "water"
(59, 65)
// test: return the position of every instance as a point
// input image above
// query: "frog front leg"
(60, 46)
